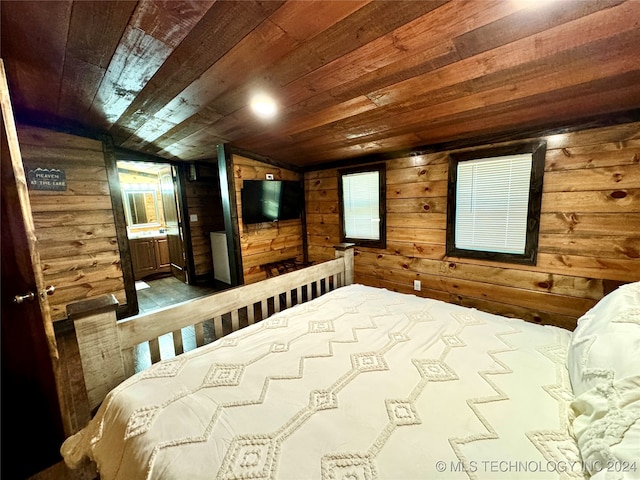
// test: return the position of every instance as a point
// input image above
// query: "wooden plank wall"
(75, 228)
(589, 231)
(265, 242)
(205, 201)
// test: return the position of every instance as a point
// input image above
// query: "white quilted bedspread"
(361, 383)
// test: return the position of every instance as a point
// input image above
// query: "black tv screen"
(270, 200)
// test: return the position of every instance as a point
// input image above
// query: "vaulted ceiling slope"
(350, 78)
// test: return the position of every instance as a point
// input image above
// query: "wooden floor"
(166, 291)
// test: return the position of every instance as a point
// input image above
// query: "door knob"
(48, 290)
(30, 296)
(27, 297)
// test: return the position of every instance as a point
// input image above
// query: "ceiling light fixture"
(531, 4)
(264, 106)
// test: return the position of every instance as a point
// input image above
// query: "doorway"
(170, 211)
(154, 227)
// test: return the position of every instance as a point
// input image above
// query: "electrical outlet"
(417, 285)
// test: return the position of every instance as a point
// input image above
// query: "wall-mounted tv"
(270, 200)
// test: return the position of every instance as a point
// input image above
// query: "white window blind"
(492, 200)
(361, 201)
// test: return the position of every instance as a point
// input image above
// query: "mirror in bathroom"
(141, 208)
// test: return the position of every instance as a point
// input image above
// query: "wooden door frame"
(230, 213)
(126, 264)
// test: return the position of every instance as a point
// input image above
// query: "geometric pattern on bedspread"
(361, 383)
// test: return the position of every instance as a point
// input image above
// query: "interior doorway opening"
(171, 210)
(155, 232)
(152, 217)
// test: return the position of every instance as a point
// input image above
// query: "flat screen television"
(270, 200)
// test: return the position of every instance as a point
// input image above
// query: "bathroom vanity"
(149, 255)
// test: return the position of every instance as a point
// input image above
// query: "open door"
(174, 227)
(32, 427)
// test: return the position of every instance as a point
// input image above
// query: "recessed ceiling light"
(264, 106)
(531, 4)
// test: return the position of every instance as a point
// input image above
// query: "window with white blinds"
(492, 203)
(362, 203)
(360, 193)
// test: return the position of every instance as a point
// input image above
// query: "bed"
(365, 383)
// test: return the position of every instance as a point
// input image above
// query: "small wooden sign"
(47, 179)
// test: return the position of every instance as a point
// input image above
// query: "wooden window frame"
(382, 205)
(529, 257)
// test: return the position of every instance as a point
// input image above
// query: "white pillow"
(607, 429)
(605, 345)
(604, 368)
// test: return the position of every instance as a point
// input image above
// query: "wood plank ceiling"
(351, 78)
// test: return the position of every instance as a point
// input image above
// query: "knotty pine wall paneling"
(265, 242)
(589, 230)
(75, 228)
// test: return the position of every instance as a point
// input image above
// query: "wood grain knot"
(618, 194)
